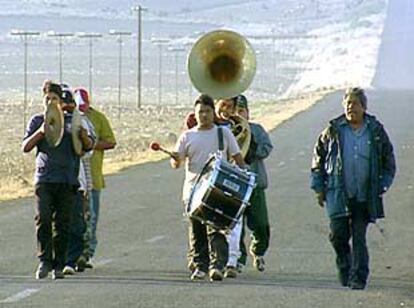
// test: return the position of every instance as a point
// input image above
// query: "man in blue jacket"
(353, 165)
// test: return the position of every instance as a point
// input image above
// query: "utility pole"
(119, 35)
(60, 37)
(176, 52)
(90, 37)
(139, 9)
(159, 42)
(24, 35)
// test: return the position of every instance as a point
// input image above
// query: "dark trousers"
(208, 246)
(52, 220)
(77, 229)
(256, 218)
(351, 260)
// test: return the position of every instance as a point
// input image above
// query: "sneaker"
(68, 270)
(43, 270)
(357, 285)
(215, 274)
(81, 264)
(343, 277)
(240, 267)
(259, 263)
(230, 272)
(191, 266)
(198, 275)
(57, 274)
(90, 263)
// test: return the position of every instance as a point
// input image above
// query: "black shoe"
(57, 274)
(80, 264)
(343, 278)
(215, 274)
(357, 285)
(43, 270)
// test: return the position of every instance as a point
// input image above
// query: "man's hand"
(320, 197)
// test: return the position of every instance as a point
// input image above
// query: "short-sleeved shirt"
(103, 131)
(196, 146)
(55, 164)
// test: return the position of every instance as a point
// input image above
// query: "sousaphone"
(222, 64)
(54, 124)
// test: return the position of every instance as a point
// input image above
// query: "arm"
(106, 140)
(35, 132)
(318, 174)
(238, 158)
(175, 160)
(388, 166)
(104, 145)
(30, 142)
(87, 141)
(264, 145)
(179, 152)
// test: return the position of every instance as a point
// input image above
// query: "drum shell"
(221, 195)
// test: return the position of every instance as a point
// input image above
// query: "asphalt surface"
(143, 235)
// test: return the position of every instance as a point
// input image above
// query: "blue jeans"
(94, 204)
(77, 230)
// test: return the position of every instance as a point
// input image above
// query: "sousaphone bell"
(222, 64)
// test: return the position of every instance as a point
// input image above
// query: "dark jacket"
(260, 148)
(327, 175)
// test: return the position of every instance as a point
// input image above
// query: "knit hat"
(81, 97)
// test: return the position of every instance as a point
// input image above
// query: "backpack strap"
(220, 138)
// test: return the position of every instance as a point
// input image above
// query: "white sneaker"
(198, 275)
(68, 270)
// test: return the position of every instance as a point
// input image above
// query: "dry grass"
(134, 131)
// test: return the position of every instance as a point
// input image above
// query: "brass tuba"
(222, 64)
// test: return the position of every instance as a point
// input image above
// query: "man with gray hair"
(353, 165)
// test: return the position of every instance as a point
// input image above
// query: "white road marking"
(155, 239)
(19, 296)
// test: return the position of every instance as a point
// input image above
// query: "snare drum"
(220, 194)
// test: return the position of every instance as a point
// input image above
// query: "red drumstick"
(155, 146)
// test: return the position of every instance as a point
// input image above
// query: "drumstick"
(155, 146)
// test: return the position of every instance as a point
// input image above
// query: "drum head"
(54, 124)
(76, 125)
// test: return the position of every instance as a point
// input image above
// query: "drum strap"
(220, 138)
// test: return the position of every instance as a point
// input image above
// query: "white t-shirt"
(196, 146)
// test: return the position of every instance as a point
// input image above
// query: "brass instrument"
(222, 64)
(54, 124)
(241, 130)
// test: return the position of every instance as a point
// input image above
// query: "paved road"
(141, 256)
